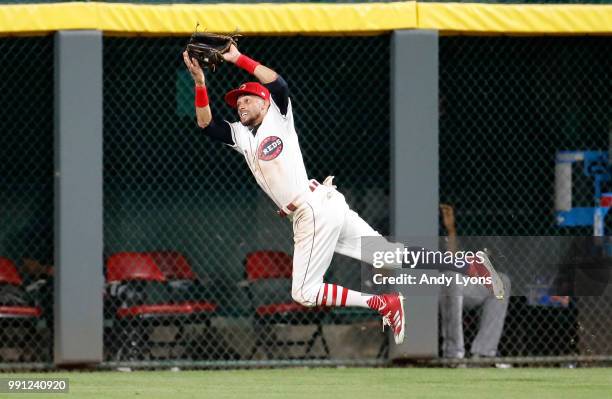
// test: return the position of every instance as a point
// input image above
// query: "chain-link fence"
(507, 105)
(187, 231)
(167, 188)
(26, 198)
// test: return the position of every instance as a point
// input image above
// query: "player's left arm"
(262, 73)
(273, 81)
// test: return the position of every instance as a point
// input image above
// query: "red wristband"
(246, 63)
(201, 96)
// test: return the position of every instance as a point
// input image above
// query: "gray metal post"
(78, 197)
(414, 169)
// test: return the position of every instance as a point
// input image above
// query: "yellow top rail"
(308, 18)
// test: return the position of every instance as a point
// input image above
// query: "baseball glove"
(208, 48)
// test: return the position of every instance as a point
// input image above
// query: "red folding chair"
(269, 281)
(176, 267)
(189, 290)
(16, 311)
(141, 302)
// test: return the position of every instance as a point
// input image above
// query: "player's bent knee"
(304, 297)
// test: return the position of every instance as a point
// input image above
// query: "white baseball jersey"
(273, 155)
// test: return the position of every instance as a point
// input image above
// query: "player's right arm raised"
(218, 130)
(203, 113)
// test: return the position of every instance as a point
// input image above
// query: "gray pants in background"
(454, 299)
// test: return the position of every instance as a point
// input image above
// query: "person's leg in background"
(492, 317)
(451, 320)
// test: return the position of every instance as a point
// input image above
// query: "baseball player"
(322, 221)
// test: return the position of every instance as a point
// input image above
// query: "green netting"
(26, 198)
(167, 187)
(507, 105)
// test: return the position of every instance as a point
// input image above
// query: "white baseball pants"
(322, 225)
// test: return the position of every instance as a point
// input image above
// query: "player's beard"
(250, 119)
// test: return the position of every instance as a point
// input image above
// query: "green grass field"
(338, 383)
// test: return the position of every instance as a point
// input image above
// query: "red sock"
(335, 295)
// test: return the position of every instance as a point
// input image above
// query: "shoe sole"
(496, 282)
(400, 337)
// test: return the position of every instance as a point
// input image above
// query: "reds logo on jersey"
(270, 148)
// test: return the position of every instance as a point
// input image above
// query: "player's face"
(251, 110)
